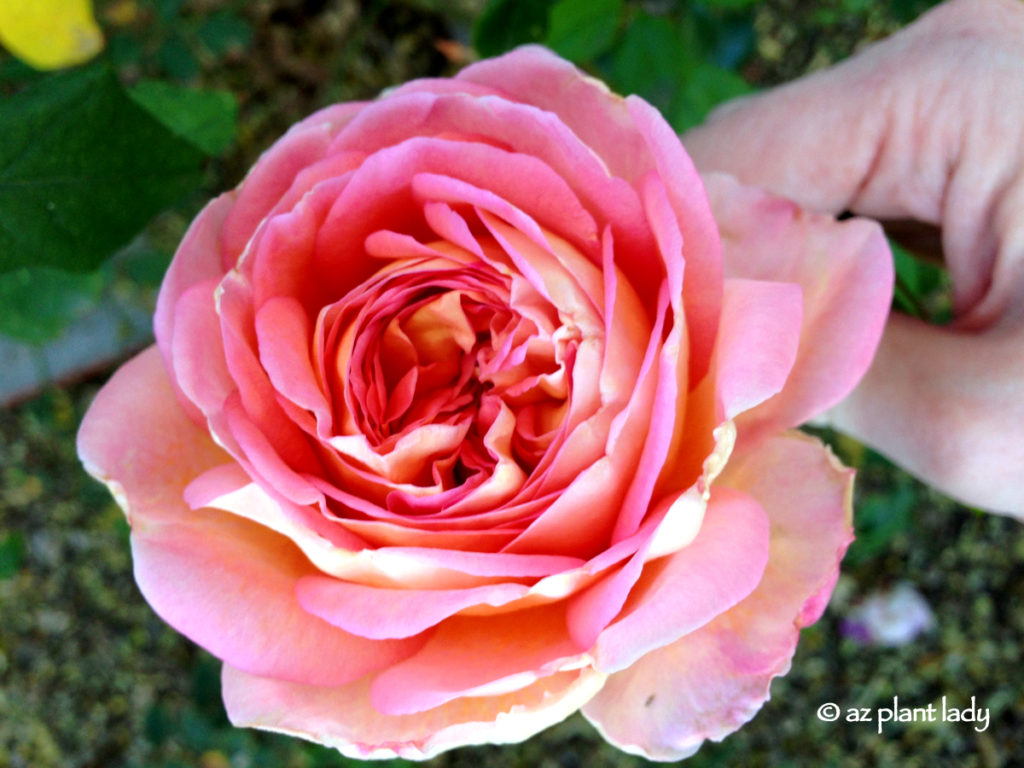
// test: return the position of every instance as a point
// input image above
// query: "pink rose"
(465, 415)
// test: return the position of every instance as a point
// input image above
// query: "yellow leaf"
(50, 34)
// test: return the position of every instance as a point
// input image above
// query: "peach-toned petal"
(260, 425)
(229, 585)
(580, 520)
(114, 440)
(381, 195)
(525, 129)
(227, 487)
(808, 496)
(284, 333)
(670, 527)
(278, 259)
(720, 567)
(386, 613)
(757, 342)
(476, 656)
(344, 719)
(196, 352)
(667, 408)
(845, 271)
(720, 673)
(197, 568)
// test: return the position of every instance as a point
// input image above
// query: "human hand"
(927, 125)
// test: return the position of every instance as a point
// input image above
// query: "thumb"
(945, 405)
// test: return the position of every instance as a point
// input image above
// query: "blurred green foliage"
(12, 553)
(206, 119)
(39, 302)
(87, 160)
(82, 169)
(683, 57)
(923, 288)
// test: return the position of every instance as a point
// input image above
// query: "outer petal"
(268, 180)
(707, 684)
(702, 249)
(112, 439)
(757, 343)
(845, 270)
(385, 613)
(684, 591)
(343, 718)
(536, 76)
(224, 582)
(474, 656)
(198, 259)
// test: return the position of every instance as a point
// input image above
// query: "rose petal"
(388, 613)
(415, 110)
(472, 656)
(138, 400)
(198, 568)
(285, 335)
(536, 76)
(757, 342)
(343, 718)
(302, 146)
(196, 351)
(380, 196)
(702, 249)
(227, 487)
(668, 529)
(684, 591)
(845, 271)
(721, 672)
(197, 260)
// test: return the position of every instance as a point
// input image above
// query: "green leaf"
(168, 9)
(729, 5)
(580, 30)
(38, 303)
(650, 60)
(225, 32)
(504, 24)
(922, 289)
(146, 266)
(176, 58)
(881, 517)
(727, 38)
(12, 554)
(82, 169)
(707, 86)
(906, 11)
(206, 119)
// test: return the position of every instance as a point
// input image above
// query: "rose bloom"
(471, 407)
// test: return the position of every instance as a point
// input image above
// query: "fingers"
(925, 125)
(814, 140)
(948, 407)
(876, 133)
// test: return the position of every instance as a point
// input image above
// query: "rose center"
(436, 371)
